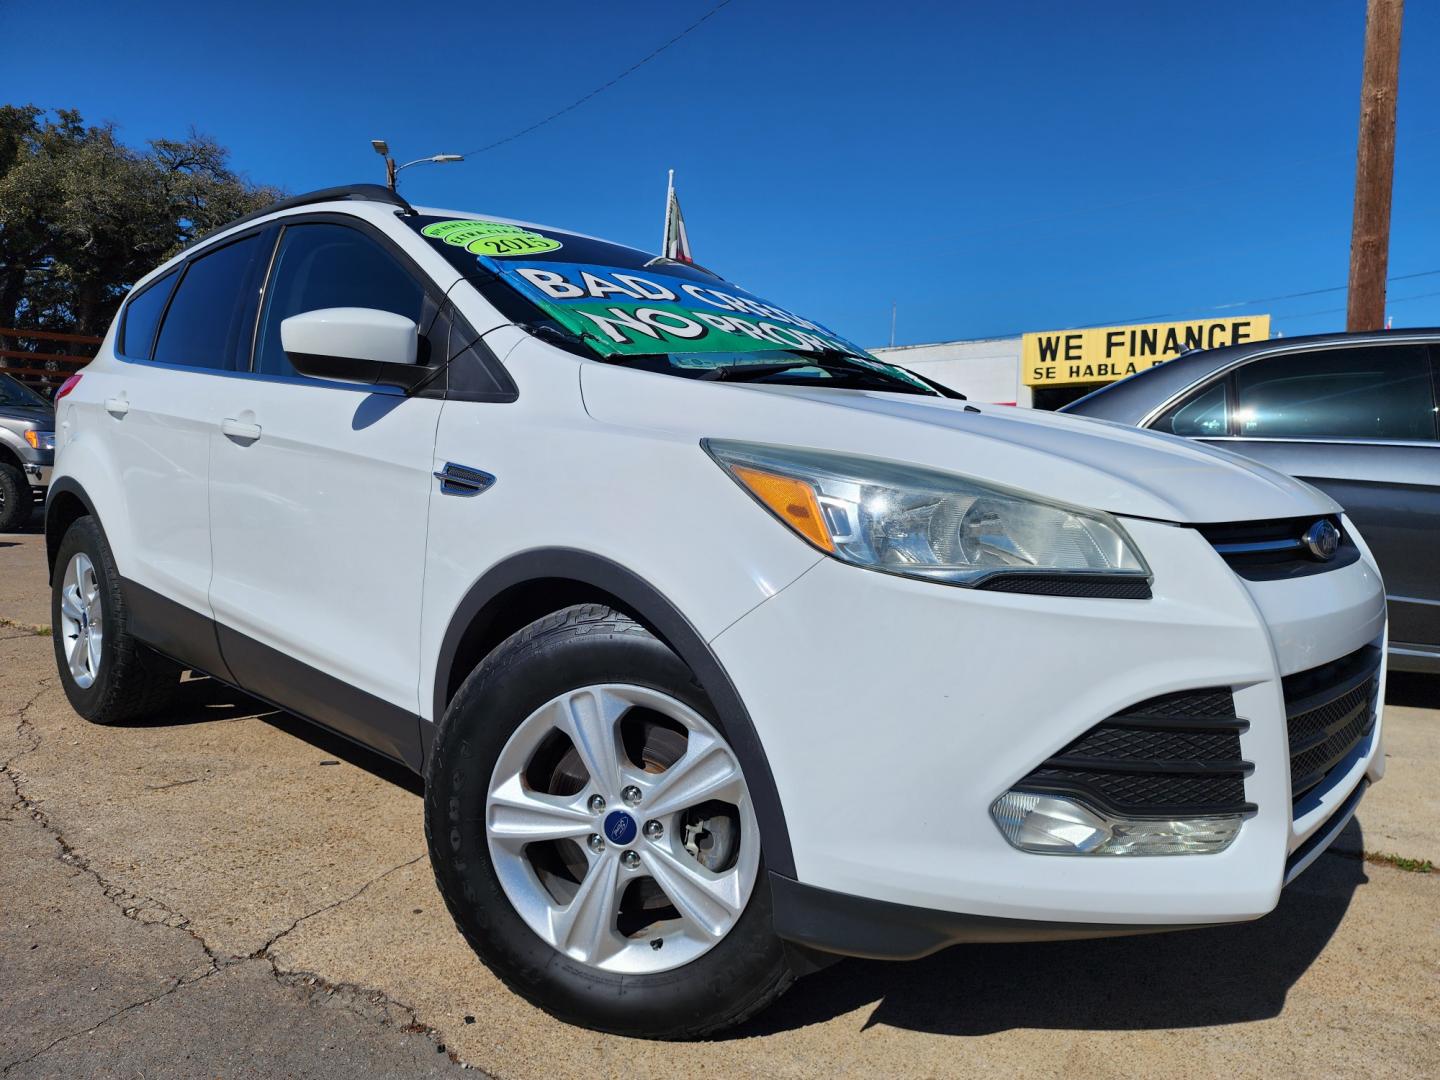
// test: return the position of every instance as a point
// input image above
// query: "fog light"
(1056, 825)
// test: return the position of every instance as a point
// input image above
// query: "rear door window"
(1361, 392)
(326, 266)
(211, 321)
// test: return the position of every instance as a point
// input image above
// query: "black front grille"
(1269, 550)
(1177, 755)
(1329, 710)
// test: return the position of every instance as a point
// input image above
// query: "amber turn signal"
(792, 501)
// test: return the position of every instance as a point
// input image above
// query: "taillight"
(68, 385)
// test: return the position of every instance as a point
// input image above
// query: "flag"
(677, 241)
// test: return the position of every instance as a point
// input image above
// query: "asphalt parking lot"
(226, 891)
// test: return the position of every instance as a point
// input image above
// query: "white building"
(986, 369)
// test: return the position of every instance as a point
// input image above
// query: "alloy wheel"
(82, 623)
(621, 829)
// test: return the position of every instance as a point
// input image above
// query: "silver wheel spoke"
(585, 929)
(92, 640)
(707, 771)
(709, 901)
(79, 653)
(520, 816)
(589, 718)
(70, 603)
(89, 587)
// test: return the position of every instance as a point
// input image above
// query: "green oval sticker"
(494, 238)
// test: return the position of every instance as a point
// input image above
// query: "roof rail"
(359, 192)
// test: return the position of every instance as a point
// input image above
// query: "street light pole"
(1374, 167)
(391, 169)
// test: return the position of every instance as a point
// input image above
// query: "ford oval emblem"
(1323, 539)
(620, 827)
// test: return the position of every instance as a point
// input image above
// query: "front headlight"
(927, 524)
(40, 440)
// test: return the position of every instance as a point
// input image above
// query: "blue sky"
(991, 168)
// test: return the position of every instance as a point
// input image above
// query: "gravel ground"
(227, 891)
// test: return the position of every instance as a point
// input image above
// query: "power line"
(1315, 292)
(603, 87)
(1247, 303)
(1138, 319)
(1389, 300)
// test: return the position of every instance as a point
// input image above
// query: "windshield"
(13, 392)
(624, 306)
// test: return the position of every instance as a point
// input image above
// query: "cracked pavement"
(227, 891)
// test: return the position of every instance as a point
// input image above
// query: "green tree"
(82, 216)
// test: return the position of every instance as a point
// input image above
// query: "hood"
(42, 415)
(1083, 462)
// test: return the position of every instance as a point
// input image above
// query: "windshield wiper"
(841, 366)
(844, 367)
(744, 372)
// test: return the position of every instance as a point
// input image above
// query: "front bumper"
(38, 474)
(834, 922)
(893, 713)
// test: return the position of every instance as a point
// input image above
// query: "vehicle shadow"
(36, 524)
(1195, 978)
(1222, 975)
(1417, 691)
(205, 700)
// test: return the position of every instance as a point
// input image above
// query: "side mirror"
(360, 345)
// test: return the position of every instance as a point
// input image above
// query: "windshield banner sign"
(621, 312)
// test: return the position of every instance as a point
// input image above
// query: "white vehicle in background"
(723, 648)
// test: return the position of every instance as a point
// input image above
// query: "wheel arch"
(526, 586)
(10, 457)
(66, 503)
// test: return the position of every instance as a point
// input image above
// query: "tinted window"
(142, 316)
(212, 318)
(472, 373)
(14, 392)
(326, 266)
(1366, 392)
(1206, 414)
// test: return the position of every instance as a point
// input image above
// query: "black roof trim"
(358, 192)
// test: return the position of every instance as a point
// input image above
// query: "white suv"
(723, 647)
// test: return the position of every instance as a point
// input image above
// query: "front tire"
(592, 835)
(108, 675)
(16, 502)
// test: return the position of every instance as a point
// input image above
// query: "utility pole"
(1374, 166)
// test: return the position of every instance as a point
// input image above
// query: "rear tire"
(117, 678)
(16, 502)
(666, 979)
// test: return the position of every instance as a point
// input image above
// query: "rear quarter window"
(1203, 415)
(142, 317)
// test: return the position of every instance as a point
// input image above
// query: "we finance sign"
(1107, 353)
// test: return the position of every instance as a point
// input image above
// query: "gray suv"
(27, 451)
(1354, 414)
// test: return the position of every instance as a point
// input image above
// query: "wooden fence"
(45, 370)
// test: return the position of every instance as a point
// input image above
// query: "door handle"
(117, 407)
(237, 429)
